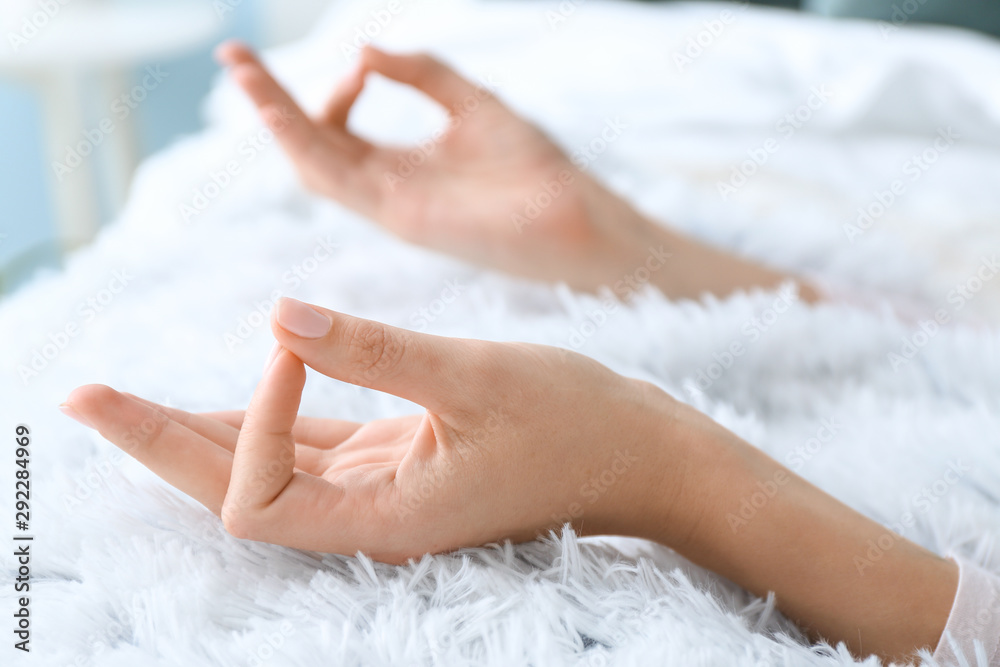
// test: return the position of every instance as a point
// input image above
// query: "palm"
(372, 447)
(374, 460)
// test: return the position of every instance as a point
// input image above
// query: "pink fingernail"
(270, 358)
(301, 319)
(68, 410)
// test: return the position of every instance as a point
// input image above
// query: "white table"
(88, 41)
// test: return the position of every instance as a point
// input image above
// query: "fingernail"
(68, 410)
(301, 319)
(270, 358)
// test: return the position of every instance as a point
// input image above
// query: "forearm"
(634, 256)
(746, 517)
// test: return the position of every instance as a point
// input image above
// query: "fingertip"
(370, 51)
(83, 402)
(292, 317)
(233, 52)
(373, 58)
(245, 74)
(287, 365)
(88, 395)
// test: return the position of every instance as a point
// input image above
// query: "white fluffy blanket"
(128, 572)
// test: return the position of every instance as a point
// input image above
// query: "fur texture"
(129, 572)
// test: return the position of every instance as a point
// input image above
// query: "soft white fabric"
(131, 573)
(972, 635)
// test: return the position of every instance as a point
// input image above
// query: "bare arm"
(511, 435)
(767, 529)
(491, 189)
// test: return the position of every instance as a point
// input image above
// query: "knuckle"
(374, 350)
(239, 522)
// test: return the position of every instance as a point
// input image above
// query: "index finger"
(294, 129)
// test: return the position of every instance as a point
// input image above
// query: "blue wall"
(170, 111)
(27, 214)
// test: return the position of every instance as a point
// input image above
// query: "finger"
(178, 455)
(294, 129)
(312, 513)
(425, 73)
(267, 500)
(220, 433)
(313, 460)
(264, 461)
(308, 459)
(418, 367)
(339, 107)
(311, 431)
(232, 52)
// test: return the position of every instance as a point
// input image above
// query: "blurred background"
(88, 88)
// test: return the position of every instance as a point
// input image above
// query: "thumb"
(418, 367)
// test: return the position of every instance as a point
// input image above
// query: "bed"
(170, 303)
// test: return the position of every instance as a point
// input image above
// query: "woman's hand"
(476, 190)
(516, 439)
(493, 189)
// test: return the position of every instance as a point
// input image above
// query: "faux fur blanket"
(866, 154)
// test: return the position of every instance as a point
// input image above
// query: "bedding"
(867, 160)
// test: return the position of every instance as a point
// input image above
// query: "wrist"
(635, 250)
(728, 507)
(682, 452)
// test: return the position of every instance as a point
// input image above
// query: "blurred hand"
(491, 189)
(516, 439)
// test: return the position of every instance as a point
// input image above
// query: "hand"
(493, 190)
(481, 173)
(516, 440)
